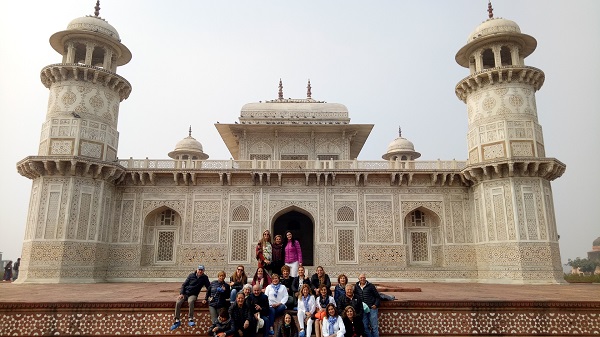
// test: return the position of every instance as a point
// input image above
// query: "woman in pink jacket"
(293, 254)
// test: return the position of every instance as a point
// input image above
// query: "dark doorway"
(302, 229)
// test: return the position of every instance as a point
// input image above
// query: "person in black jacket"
(320, 278)
(350, 299)
(258, 304)
(299, 281)
(218, 296)
(354, 325)
(367, 292)
(224, 326)
(242, 317)
(189, 291)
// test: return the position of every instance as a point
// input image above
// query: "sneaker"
(302, 333)
(191, 323)
(175, 325)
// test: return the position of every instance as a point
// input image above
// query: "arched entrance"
(302, 228)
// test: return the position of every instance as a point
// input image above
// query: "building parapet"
(376, 165)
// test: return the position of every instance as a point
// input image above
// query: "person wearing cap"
(189, 291)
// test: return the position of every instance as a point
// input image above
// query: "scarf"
(305, 300)
(331, 320)
(323, 301)
(276, 288)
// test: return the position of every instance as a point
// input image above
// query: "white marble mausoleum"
(96, 218)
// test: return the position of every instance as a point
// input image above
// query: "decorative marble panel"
(61, 147)
(379, 221)
(206, 221)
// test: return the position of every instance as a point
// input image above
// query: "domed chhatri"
(596, 244)
(188, 148)
(494, 31)
(84, 29)
(401, 149)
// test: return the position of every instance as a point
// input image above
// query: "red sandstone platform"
(457, 309)
(159, 292)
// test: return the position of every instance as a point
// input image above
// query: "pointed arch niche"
(302, 225)
(422, 233)
(160, 237)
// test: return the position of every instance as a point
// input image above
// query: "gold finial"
(280, 89)
(399, 131)
(308, 90)
(97, 9)
(190, 131)
(490, 10)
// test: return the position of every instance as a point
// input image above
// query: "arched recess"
(488, 59)
(301, 224)
(160, 236)
(422, 233)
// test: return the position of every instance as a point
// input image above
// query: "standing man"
(189, 291)
(16, 267)
(367, 292)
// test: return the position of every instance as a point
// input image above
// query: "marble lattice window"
(327, 157)
(165, 246)
(419, 247)
(240, 213)
(167, 218)
(259, 156)
(418, 218)
(346, 246)
(239, 245)
(345, 213)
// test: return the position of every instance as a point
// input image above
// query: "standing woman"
(218, 296)
(354, 325)
(237, 281)
(277, 252)
(333, 324)
(306, 308)
(264, 251)
(7, 272)
(293, 254)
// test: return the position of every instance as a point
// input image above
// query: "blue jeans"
(233, 295)
(370, 319)
(274, 312)
(267, 326)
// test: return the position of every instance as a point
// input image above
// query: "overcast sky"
(390, 62)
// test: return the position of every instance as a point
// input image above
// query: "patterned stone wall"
(81, 120)
(396, 318)
(358, 228)
(503, 123)
(263, 145)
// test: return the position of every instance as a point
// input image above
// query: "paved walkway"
(160, 292)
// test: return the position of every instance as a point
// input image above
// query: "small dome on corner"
(188, 148)
(494, 26)
(94, 24)
(401, 148)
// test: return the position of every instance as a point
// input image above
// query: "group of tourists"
(11, 271)
(243, 306)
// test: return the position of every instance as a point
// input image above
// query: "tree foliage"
(585, 265)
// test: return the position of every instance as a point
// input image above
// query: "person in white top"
(306, 308)
(278, 295)
(333, 324)
(322, 301)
